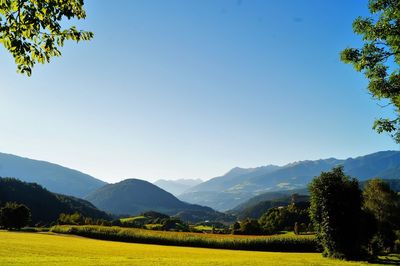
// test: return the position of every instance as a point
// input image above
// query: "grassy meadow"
(18, 248)
(283, 243)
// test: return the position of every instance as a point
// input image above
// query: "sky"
(190, 89)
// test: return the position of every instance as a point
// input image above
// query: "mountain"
(54, 177)
(177, 187)
(45, 205)
(135, 196)
(238, 185)
(255, 211)
(259, 204)
(269, 197)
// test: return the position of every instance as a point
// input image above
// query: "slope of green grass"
(47, 249)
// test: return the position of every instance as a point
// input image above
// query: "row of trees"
(293, 217)
(349, 223)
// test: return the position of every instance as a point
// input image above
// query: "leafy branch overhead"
(31, 30)
(379, 58)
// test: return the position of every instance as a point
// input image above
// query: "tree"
(379, 58)
(14, 216)
(335, 210)
(285, 217)
(383, 204)
(250, 227)
(32, 31)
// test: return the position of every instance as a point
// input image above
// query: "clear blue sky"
(190, 89)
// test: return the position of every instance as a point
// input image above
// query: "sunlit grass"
(47, 249)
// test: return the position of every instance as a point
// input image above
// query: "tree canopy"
(14, 216)
(335, 210)
(32, 30)
(379, 58)
(384, 205)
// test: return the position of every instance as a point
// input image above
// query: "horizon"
(153, 180)
(186, 90)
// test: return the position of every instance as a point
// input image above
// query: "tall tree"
(379, 58)
(335, 210)
(32, 30)
(384, 205)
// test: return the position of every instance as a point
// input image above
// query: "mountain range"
(237, 188)
(238, 185)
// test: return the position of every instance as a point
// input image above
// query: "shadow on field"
(391, 259)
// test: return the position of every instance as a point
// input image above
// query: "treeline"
(292, 217)
(44, 205)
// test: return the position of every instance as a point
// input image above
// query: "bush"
(14, 216)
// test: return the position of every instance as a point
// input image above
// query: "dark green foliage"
(384, 205)
(379, 58)
(249, 227)
(44, 205)
(155, 215)
(51, 176)
(14, 216)
(155, 221)
(257, 210)
(31, 30)
(269, 243)
(335, 210)
(72, 219)
(284, 218)
(235, 228)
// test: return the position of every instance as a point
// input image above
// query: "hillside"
(53, 177)
(237, 186)
(134, 196)
(177, 187)
(45, 205)
(259, 204)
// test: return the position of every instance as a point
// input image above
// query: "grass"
(291, 243)
(203, 228)
(131, 219)
(49, 249)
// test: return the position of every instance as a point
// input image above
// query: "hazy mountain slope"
(134, 196)
(236, 189)
(177, 187)
(54, 177)
(45, 206)
(232, 178)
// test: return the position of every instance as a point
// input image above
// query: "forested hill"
(53, 177)
(45, 205)
(134, 196)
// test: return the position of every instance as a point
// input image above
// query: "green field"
(50, 249)
(279, 243)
